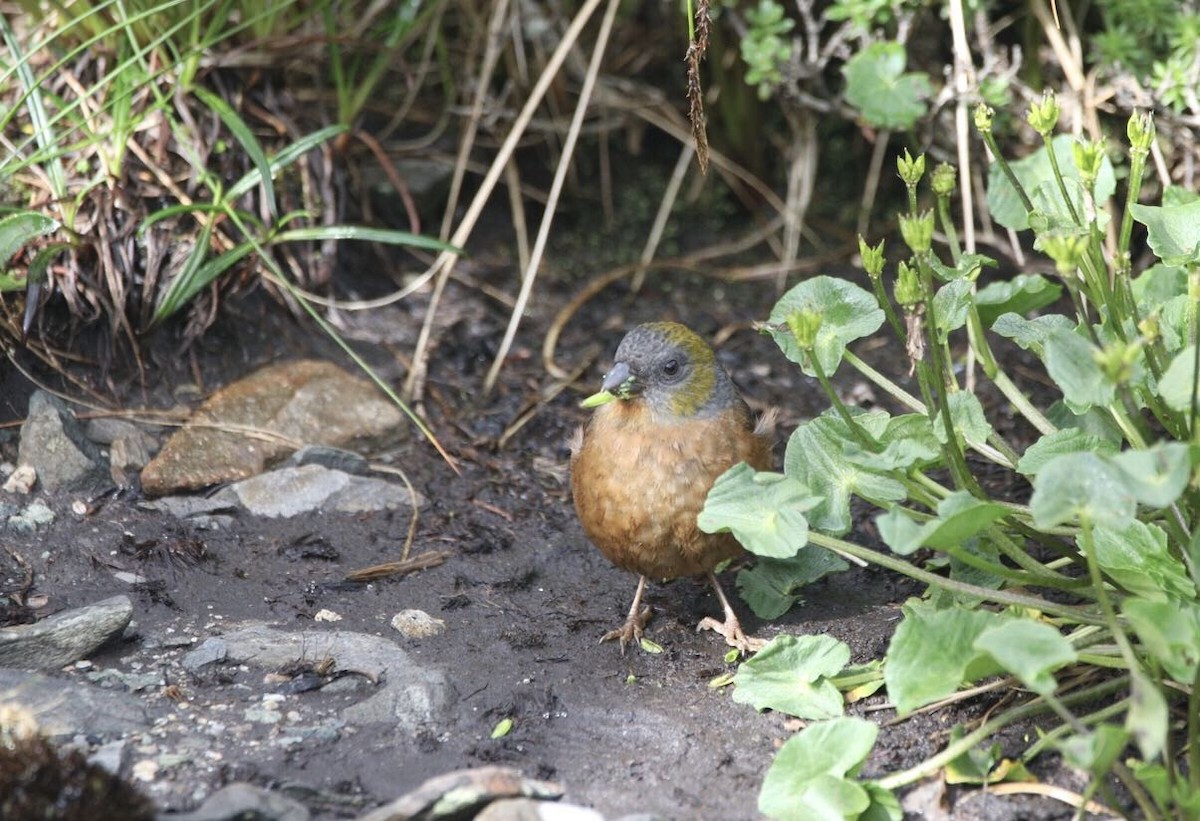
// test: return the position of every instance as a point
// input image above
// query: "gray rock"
(413, 696)
(133, 682)
(346, 461)
(527, 809)
(36, 515)
(461, 794)
(210, 652)
(243, 802)
(184, 507)
(53, 442)
(65, 708)
(110, 756)
(294, 490)
(64, 637)
(108, 429)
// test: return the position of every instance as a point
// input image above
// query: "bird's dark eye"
(671, 367)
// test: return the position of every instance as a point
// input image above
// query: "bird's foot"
(631, 630)
(731, 629)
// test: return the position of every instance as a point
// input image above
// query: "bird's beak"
(618, 383)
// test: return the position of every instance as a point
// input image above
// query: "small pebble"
(417, 624)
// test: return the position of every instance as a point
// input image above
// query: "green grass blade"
(241, 132)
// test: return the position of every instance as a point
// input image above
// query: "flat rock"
(242, 802)
(54, 445)
(412, 696)
(290, 403)
(528, 809)
(461, 794)
(291, 491)
(64, 637)
(65, 709)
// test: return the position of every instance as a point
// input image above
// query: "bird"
(668, 421)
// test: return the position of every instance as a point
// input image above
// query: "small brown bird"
(668, 422)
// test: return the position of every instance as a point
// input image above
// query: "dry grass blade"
(560, 176)
(416, 510)
(670, 195)
(1062, 794)
(422, 561)
(446, 260)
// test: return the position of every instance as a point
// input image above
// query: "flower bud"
(910, 170)
(872, 258)
(804, 325)
(917, 231)
(908, 290)
(944, 177)
(1043, 115)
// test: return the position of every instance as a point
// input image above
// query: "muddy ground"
(523, 594)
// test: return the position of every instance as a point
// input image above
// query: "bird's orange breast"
(639, 484)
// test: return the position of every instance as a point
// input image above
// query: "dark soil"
(525, 597)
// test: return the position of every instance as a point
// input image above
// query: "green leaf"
(19, 229)
(1137, 558)
(1034, 172)
(932, 652)
(1067, 440)
(960, 516)
(807, 779)
(1175, 321)
(847, 313)
(1030, 650)
(982, 765)
(884, 805)
(1172, 231)
(1178, 386)
(1157, 285)
(245, 137)
(791, 675)
(770, 586)
(1156, 476)
(877, 85)
(1147, 720)
(816, 456)
(967, 418)
(969, 266)
(1074, 485)
(1169, 631)
(908, 441)
(1019, 295)
(1070, 361)
(764, 511)
(950, 305)
(1094, 752)
(1031, 334)
(503, 727)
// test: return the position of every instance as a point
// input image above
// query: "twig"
(560, 175)
(670, 195)
(422, 561)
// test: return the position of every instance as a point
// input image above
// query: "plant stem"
(952, 751)
(865, 439)
(889, 310)
(1088, 546)
(913, 572)
(888, 386)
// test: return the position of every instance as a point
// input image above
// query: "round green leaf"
(847, 313)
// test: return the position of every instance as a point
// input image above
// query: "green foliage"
(764, 48)
(878, 86)
(1099, 566)
(793, 675)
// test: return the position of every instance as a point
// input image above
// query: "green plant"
(764, 47)
(1087, 594)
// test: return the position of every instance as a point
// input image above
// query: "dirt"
(523, 594)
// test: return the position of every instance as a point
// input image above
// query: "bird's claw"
(731, 629)
(631, 630)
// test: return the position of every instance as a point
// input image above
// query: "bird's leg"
(731, 629)
(635, 622)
